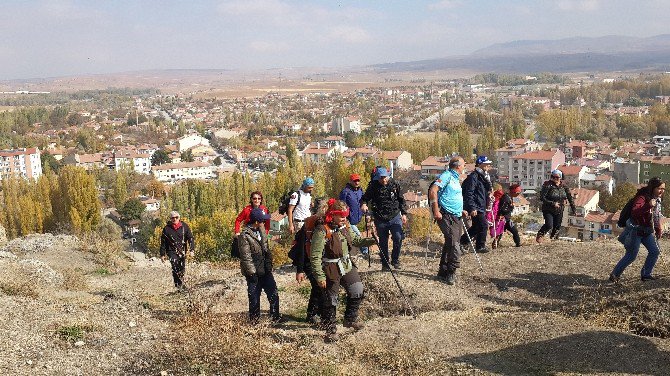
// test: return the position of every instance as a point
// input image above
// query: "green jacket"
(319, 242)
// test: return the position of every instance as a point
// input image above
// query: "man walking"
(299, 205)
(476, 191)
(176, 241)
(446, 203)
(389, 212)
(351, 195)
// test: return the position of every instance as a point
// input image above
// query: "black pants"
(315, 305)
(552, 222)
(511, 227)
(354, 287)
(477, 231)
(254, 288)
(178, 270)
(452, 229)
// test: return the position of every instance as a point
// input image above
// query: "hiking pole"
(425, 255)
(367, 234)
(472, 245)
(386, 260)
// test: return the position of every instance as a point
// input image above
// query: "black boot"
(328, 323)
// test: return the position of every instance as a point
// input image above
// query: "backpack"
(302, 244)
(235, 248)
(284, 202)
(624, 216)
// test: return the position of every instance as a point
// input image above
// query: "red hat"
(515, 188)
(353, 177)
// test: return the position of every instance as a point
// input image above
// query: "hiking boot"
(614, 279)
(396, 265)
(539, 238)
(494, 244)
(386, 268)
(278, 319)
(331, 337)
(313, 320)
(645, 278)
(483, 250)
(356, 325)
(450, 279)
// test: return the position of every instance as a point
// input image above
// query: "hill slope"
(535, 310)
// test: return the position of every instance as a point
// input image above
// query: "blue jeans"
(394, 227)
(354, 228)
(265, 282)
(649, 242)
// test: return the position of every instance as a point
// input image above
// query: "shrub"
(26, 289)
(74, 280)
(73, 333)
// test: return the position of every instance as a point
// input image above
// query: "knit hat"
(558, 173)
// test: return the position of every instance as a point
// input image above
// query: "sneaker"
(396, 265)
(494, 244)
(331, 338)
(614, 279)
(451, 278)
(645, 278)
(386, 268)
(356, 325)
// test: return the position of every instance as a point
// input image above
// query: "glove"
(366, 242)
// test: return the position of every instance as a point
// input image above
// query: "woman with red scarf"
(255, 201)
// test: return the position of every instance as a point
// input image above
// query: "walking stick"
(367, 234)
(374, 236)
(472, 245)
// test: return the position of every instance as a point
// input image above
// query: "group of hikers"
(326, 234)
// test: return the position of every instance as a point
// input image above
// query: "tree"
(120, 190)
(75, 200)
(132, 209)
(187, 156)
(622, 193)
(160, 156)
(217, 161)
(49, 162)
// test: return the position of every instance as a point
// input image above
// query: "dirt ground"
(535, 310)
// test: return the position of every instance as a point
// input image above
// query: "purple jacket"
(352, 197)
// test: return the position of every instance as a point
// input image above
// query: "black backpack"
(283, 203)
(624, 216)
(235, 248)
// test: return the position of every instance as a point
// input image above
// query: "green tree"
(120, 190)
(132, 209)
(159, 157)
(187, 156)
(622, 193)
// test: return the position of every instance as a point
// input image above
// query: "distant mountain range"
(579, 54)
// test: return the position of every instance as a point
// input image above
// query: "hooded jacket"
(352, 197)
(386, 201)
(255, 255)
(552, 193)
(476, 188)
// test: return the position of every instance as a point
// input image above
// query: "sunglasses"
(555, 177)
(256, 198)
(356, 181)
(174, 217)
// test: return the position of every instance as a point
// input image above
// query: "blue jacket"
(352, 197)
(476, 190)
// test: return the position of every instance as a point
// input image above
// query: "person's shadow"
(582, 353)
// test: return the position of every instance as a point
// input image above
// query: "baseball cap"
(354, 177)
(258, 215)
(482, 159)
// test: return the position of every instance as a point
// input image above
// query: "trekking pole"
(472, 245)
(374, 236)
(367, 234)
(425, 255)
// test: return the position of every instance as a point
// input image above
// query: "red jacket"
(641, 213)
(244, 216)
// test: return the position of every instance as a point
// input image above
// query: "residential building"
(173, 172)
(138, 162)
(654, 166)
(624, 170)
(400, 159)
(345, 124)
(574, 149)
(521, 205)
(573, 174)
(150, 203)
(415, 199)
(602, 181)
(432, 167)
(87, 161)
(532, 169)
(277, 223)
(186, 142)
(25, 163)
(586, 201)
(503, 157)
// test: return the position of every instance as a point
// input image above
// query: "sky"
(51, 38)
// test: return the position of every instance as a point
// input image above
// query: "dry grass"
(108, 252)
(19, 288)
(74, 280)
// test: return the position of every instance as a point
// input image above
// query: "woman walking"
(553, 196)
(643, 227)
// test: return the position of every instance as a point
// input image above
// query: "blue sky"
(55, 38)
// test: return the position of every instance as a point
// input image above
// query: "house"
(602, 181)
(138, 162)
(586, 201)
(599, 224)
(87, 161)
(574, 149)
(400, 159)
(415, 199)
(278, 222)
(503, 156)
(432, 167)
(532, 169)
(345, 124)
(173, 172)
(521, 205)
(25, 163)
(150, 203)
(573, 174)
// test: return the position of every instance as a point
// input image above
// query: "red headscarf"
(331, 212)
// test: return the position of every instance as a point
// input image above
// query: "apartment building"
(532, 169)
(138, 162)
(173, 172)
(504, 155)
(25, 163)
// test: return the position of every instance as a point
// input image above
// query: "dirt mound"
(38, 243)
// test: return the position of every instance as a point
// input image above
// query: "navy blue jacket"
(352, 197)
(476, 190)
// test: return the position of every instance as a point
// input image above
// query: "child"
(496, 224)
(505, 208)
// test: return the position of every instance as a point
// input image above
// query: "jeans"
(254, 288)
(394, 227)
(354, 228)
(650, 243)
(452, 228)
(478, 231)
(552, 221)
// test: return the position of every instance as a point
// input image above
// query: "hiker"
(300, 254)
(176, 242)
(389, 212)
(446, 203)
(643, 227)
(299, 205)
(505, 209)
(255, 201)
(476, 192)
(495, 221)
(351, 194)
(256, 266)
(553, 196)
(331, 263)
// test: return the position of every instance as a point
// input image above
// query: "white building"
(173, 172)
(190, 141)
(25, 163)
(504, 156)
(533, 168)
(348, 124)
(138, 162)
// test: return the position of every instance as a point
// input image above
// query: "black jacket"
(552, 193)
(476, 190)
(175, 243)
(385, 201)
(506, 206)
(255, 255)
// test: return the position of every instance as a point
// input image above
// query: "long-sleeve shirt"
(245, 215)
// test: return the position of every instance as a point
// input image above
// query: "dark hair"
(653, 183)
(251, 197)
(455, 162)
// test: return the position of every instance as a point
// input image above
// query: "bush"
(74, 280)
(14, 288)
(108, 253)
(73, 333)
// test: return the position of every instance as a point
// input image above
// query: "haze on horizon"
(48, 38)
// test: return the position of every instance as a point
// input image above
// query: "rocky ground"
(536, 310)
